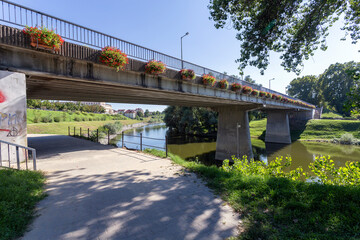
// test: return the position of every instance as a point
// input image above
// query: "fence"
(97, 138)
(11, 149)
(19, 16)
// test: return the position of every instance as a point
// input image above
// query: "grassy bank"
(281, 208)
(314, 129)
(19, 192)
(62, 127)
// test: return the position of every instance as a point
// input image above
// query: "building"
(130, 113)
(139, 110)
(120, 111)
(107, 107)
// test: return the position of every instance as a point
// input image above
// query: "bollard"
(68, 131)
(80, 132)
(88, 133)
(97, 135)
(140, 141)
(122, 139)
(74, 131)
(17, 157)
(166, 145)
(108, 137)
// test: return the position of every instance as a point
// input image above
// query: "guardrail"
(86, 133)
(11, 146)
(17, 15)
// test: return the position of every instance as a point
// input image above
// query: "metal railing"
(9, 149)
(86, 133)
(18, 15)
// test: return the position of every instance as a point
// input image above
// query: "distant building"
(139, 110)
(107, 107)
(130, 114)
(120, 111)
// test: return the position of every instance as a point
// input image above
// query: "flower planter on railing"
(43, 38)
(223, 84)
(262, 94)
(268, 95)
(113, 57)
(208, 80)
(155, 67)
(187, 74)
(236, 87)
(246, 89)
(255, 92)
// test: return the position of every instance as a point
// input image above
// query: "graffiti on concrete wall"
(2, 97)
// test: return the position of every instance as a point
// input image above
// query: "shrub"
(113, 57)
(44, 35)
(155, 67)
(236, 87)
(347, 138)
(187, 74)
(208, 80)
(47, 119)
(103, 118)
(77, 119)
(57, 119)
(224, 84)
(90, 119)
(113, 128)
(246, 89)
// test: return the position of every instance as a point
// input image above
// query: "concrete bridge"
(75, 73)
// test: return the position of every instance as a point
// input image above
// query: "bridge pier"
(233, 136)
(277, 127)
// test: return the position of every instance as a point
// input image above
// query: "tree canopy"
(294, 28)
(305, 88)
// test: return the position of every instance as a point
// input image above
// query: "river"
(203, 149)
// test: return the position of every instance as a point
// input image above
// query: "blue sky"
(159, 24)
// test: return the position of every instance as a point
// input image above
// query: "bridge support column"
(12, 112)
(233, 136)
(277, 127)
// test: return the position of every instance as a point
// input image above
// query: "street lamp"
(270, 82)
(182, 62)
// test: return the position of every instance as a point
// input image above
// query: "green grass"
(331, 115)
(19, 193)
(62, 127)
(279, 208)
(314, 129)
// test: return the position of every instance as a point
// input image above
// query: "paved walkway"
(101, 192)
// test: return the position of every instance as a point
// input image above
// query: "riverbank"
(315, 130)
(281, 208)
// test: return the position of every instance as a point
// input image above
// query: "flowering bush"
(155, 67)
(224, 84)
(246, 89)
(236, 87)
(113, 57)
(209, 80)
(44, 36)
(187, 74)
(255, 92)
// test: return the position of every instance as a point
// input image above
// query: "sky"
(159, 24)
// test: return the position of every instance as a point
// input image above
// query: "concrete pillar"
(233, 136)
(277, 127)
(12, 112)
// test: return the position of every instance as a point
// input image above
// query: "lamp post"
(270, 82)
(182, 62)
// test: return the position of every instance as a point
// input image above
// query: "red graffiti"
(4, 130)
(2, 97)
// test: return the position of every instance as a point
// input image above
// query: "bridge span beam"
(278, 127)
(233, 136)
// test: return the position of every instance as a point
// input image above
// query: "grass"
(62, 127)
(330, 115)
(19, 193)
(279, 208)
(314, 129)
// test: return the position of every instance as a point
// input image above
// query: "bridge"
(75, 73)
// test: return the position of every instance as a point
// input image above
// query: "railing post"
(17, 157)
(166, 145)
(108, 137)
(141, 142)
(26, 158)
(34, 158)
(68, 130)
(97, 135)
(9, 154)
(88, 133)
(122, 139)
(74, 131)
(0, 156)
(80, 132)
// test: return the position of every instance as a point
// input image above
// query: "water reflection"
(203, 149)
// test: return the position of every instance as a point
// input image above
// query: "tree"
(249, 79)
(305, 88)
(294, 28)
(353, 103)
(336, 83)
(140, 114)
(147, 113)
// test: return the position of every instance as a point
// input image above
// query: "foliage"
(112, 128)
(305, 88)
(236, 87)
(113, 57)
(47, 119)
(330, 115)
(190, 120)
(255, 92)
(64, 106)
(336, 83)
(155, 152)
(187, 74)
(19, 193)
(294, 28)
(269, 95)
(249, 79)
(353, 102)
(224, 84)
(48, 37)
(246, 89)
(155, 67)
(347, 138)
(262, 94)
(208, 80)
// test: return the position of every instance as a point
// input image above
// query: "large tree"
(336, 83)
(294, 28)
(305, 88)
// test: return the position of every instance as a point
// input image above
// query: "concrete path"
(101, 192)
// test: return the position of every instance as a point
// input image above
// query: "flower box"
(255, 92)
(155, 67)
(113, 57)
(43, 38)
(268, 95)
(246, 90)
(208, 80)
(223, 84)
(262, 94)
(187, 74)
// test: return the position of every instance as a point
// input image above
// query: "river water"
(203, 149)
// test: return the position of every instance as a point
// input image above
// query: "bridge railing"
(17, 15)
